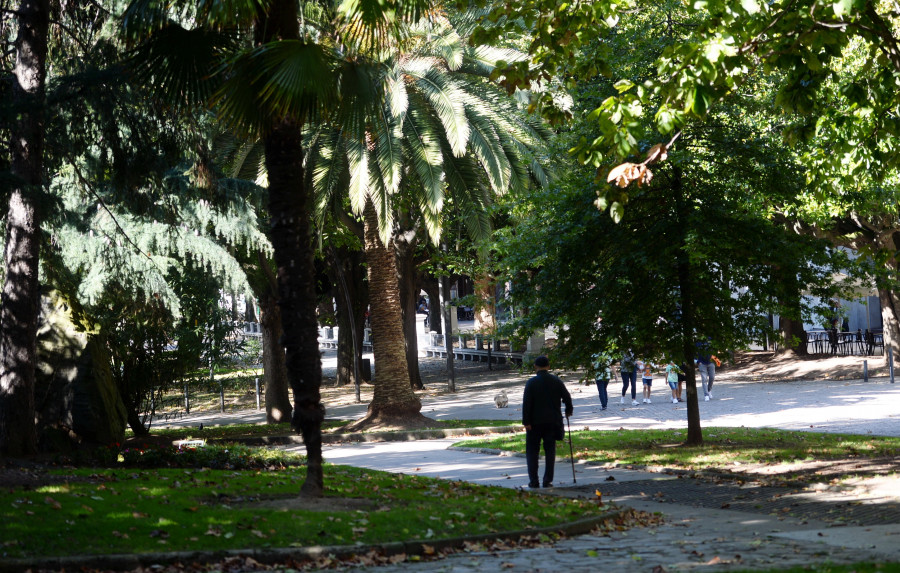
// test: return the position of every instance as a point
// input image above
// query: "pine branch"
(99, 199)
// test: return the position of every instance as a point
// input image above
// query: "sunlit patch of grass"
(721, 446)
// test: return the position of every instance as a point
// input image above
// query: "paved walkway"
(818, 405)
(705, 525)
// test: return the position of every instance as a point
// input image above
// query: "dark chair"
(833, 341)
(878, 343)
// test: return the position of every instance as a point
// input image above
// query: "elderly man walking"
(542, 419)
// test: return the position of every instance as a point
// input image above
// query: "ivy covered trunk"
(278, 400)
(21, 291)
(394, 403)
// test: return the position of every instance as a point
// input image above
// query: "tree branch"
(70, 33)
(90, 190)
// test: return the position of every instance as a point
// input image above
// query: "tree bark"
(432, 288)
(250, 310)
(405, 245)
(790, 326)
(394, 403)
(290, 209)
(689, 350)
(21, 291)
(887, 296)
(278, 401)
(350, 273)
(486, 307)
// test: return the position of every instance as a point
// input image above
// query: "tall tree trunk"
(689, 350)
(278, 401)
(21, 291)
(887, 296)
(290, 208)
(432, 288)
(486, 307)
(250, 310)
(349, 272)
(793, 337)
(394, 403)
(405, 244)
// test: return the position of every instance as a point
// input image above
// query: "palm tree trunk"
(289, 209)
(394, 402)
(21, 291)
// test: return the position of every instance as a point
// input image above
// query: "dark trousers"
(539, 433)
(601, 389)
(629, 377)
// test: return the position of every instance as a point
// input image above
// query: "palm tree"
(271, 87)
(431, 126)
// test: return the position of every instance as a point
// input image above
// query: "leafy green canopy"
(609, 286)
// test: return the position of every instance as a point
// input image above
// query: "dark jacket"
(543, 394)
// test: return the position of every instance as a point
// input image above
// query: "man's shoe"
(634, 403)
(706, 398)
(534, 486)
(603, 408)
(548, 485)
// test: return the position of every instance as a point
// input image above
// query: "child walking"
(672, 378)
(647, 379)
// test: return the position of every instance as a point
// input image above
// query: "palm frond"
(447, 100)
(423, 143)
(485, 144)
(358, 164)
(181, 65)
(286, 78)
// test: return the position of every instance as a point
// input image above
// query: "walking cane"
(571, 452)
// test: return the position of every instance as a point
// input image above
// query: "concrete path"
(704, 526)
(817, 405)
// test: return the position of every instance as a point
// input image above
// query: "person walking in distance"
(542, 419)
(628, 369)
(602, 374)
(706, 366)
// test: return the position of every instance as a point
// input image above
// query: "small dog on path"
(501, 400)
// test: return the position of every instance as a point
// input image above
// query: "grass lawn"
(722, 447)
(237, 431)
(139, 510)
